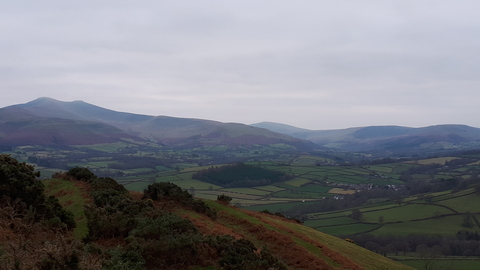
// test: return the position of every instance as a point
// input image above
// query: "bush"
(158, 191)
(18, 183)
(224, 199)
(82, 174)
(107, 183)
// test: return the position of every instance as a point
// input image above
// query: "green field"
(444, 263)
(406, 212)
(329, 222)
(448, 225)
(347, 229)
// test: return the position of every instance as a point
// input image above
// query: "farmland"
(436, 196)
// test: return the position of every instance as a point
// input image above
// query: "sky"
(311, 64)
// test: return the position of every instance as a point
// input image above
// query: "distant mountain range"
(386, 138)
(46, 121)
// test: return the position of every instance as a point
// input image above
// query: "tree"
(467, 220)
(381, 219)
(357, 215)
(428, 199)
(224, 199)
(18, 183)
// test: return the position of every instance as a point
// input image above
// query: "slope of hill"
(20, 127)
(387, 138)
(100, 225)
(161, 129)
(294, 245)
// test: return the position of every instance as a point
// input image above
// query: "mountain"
(20, 127)
(386, 138)
(47, 121)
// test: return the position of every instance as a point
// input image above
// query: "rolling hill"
(80, 221)
(386, 138)
(20, 127)
(78, 122)
(294, 245)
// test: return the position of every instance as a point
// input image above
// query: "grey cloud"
(315, 64)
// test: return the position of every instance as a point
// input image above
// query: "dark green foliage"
(467, 220)
(356, 215)
(170, 191)
(158, 191)
(107, 183)
(161, 239)
(83, 174)
(68, 262)
(18, 183)
(240, 175)
(114, 214)
(201, 207)
(241, 255)
(125, 259)
(108, 222)
(53, 210)
(153, 239)
(162, 225)
(278, 214)
(224, 199)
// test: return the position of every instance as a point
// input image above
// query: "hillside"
(19, 127)
(395, 139)
(113, 125)
(170, 230)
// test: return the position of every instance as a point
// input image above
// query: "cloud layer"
(312, 64)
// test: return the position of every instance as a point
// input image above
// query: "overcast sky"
(311, 64)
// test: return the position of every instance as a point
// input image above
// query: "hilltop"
(46, 121)
(387, 139)
(164, 228)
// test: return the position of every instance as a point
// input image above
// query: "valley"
(411, 199)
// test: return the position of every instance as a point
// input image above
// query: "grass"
(449, 225)
(246, 191)
(446, 263)
(270, 188)
(329, 222)
(278, 207)
(137, 186)
(230, 194)
(440, 160)
(367, 259)
(73, 198)
(406, 213)
(297, 195)
(314, 188)
(105, 147)
(297, 182)
(347, 229)
(187, 184)
(463, 204)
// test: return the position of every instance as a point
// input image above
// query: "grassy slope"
(297, 245)
(73, 196)
(293, 243)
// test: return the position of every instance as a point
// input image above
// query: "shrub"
(18, 183)
(224, 199)
(157, 191)
(83, 174)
